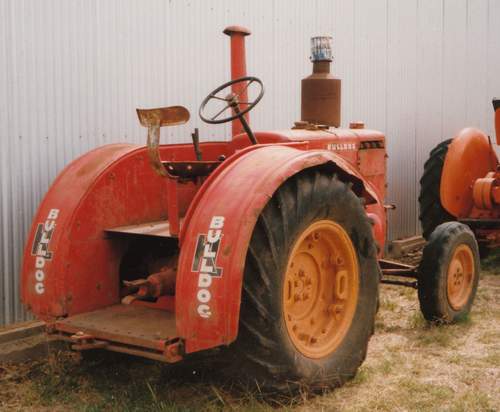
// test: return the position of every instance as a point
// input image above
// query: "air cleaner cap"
(321, 48)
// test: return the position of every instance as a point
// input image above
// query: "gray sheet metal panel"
(72, 73)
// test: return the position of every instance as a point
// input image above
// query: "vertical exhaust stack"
(496, 108)
(238, 69)
(321, 91)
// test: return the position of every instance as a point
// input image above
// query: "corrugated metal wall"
(73, 71)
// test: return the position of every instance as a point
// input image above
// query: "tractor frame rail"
(392, 270)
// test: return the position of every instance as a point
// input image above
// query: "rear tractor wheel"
(310, 287)
(448, 273)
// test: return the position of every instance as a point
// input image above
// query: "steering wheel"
(232, 101)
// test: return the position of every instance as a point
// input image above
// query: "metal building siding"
(73, 72)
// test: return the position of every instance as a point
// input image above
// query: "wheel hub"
(460, 276)
(320, 289)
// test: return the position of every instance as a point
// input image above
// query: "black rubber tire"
(263, 338)
(432, 212)
(432, 277)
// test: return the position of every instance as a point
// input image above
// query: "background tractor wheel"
(448, 273)
(432, 213)
(310, 286)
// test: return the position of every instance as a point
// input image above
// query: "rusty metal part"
(401, 247)
(393, 268)
(320, 292)
(196, 143)
(189, 170)
(301, 124)
(321, 96)
(238, 70)
(128, 324)
(460, 276)
(153, 119)
(174, 351)
(166, 302)
(357, 125)
(397, 270)
(155, 285)
(84, 341)
(163, 116)
(153, 152)
(171, 353)
(470, 157)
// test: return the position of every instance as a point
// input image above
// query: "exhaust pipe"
(238, 69)
(496, 108)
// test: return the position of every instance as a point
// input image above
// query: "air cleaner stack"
(321, 90)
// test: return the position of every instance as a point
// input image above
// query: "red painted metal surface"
(70, 266)
(225, 210)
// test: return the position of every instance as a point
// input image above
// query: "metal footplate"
(131, 329)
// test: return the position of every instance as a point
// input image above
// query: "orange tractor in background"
(460, 183)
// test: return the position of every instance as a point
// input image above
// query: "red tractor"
(269, 243)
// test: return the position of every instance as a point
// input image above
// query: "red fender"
(69, 265)
(219, 224)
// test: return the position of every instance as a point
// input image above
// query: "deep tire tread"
(432, 213)
(296, 203)
(432, 281)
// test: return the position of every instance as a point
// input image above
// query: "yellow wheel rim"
(320, 290)
(460, 277)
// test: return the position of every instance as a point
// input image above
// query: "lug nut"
(303, 336)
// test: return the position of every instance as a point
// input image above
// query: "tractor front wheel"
(448, 273)
(311, 286)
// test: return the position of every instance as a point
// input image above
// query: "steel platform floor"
(128, 324)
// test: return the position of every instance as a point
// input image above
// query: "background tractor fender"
(470, 156)
(217, 232)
